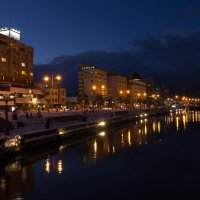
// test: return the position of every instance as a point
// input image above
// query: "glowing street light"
(103, 87)
(176, 96)
(47, 79)
(94, 87)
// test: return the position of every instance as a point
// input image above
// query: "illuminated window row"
(24, 73)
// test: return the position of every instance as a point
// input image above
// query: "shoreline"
(12, 146)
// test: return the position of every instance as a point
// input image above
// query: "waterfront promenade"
(33, 122)
(44, 128)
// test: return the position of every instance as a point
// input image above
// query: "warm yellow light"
(3, 59)
(145, 94)
(138, 94)
(103, 87)
(94, 87)
(34, 101)
(183, 98)
(158, 95)
(12, 96)
(176, 96)
(47, 166)
(102, 134)
(121, 92)
(102, 123)
(58, 77)
(60, 166)
(46, 78)
(128, 91)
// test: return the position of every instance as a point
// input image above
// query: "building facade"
(137, 90)
(150, 87)
(117, 87)
(16, 60)
(92, 81)
(55, 96)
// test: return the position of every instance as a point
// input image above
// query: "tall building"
(137, 88)
(150, 87)
(16, 60)
(117, 86)
(16, 72)
(163, 92)
(92, 81)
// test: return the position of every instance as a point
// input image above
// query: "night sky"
(157, 38)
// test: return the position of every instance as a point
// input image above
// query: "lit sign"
(88, 67)
(10, 32)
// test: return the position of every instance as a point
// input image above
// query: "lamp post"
(104, 94)
(52, 79)
(6, 99)
(120, 99)
(94, 92)
(127, 98)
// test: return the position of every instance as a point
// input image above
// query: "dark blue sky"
(56, 27)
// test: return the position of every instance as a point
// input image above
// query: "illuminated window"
(23, 64)
(3, 59)
(23, 72)
(31, 74)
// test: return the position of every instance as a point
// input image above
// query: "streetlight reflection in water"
(92, 151)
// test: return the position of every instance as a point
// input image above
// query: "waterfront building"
(92, 81)
(117, 87)
(150, 86)
(23, 98)
(137, 89)
(16, 74)
(16, 60)
(55, 95)
(163, 92)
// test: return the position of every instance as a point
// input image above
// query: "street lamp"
(127, 98)
(103, 87)
(94, 92)
(120, 99)
(52, 78)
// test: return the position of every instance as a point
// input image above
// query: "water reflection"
(18, 180)
(139, 133)
(53, 166)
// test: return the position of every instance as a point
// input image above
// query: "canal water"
(156, 157)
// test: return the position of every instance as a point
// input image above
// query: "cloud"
(173, 59)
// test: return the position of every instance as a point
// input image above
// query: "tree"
(99, 101)
(83, 100)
